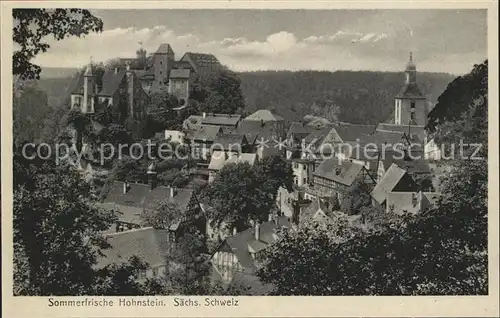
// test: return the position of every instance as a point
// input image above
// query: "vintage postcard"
(242, 159)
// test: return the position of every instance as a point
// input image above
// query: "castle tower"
(410, 104)
(88, 90)
(163, 62)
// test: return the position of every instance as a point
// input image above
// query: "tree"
(440, 252)
(128, 169)
(275, 172)
(190, 270)
(30, 108)
(237, 197)
(162, 215)
(218, 92)
(31, 26)
(357, 197)
(58, 234)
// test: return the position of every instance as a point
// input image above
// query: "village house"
(131, 199)
(235, 143)
(395, 179)
(220, 159)
(151, 245)
(268, 118)
(411, 202)
(238, 257)
(321, 212)
(416, 168)
(261, 136)
(202, 140)
(227, 122)
(119, 87)
(333, 178)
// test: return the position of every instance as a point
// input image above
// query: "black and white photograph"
(250, 152)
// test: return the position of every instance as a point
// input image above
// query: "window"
(161, 62)
(305, 180)
(155, 272)
(295, 165)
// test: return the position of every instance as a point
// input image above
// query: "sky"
(450, 41)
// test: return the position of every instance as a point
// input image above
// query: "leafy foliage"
(241, 193)
(57, 235)
(363, 97)
(357, 197)
(218, 92)
(164, 213)
(441, 252)
(31, 26)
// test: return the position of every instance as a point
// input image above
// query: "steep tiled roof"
(219, 159)
(180, 73)
(151, 245)
(220, 119)
(390, 179)
(255, 130)
(111, 81)
(164, 48)
(410, 90)
(430, 200)
(409, 165)
(265, 115)
(298, 129)
(140, 196)
(419, 131)
(407, 202)
(239, 242)
(352, 132)
(343, 172)
(78, 86)
(229, 141)
(310, 212)
(207, 133)
(202, 61)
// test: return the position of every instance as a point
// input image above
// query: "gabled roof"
(220, 158)
(256, 130)
(149, 244)
(225, 141)
(180, 73)
(265, 115)
(164, 48)
(340, 171)
(297, 128)
(239, 243)
(111, 81)
(388, 182)
(410, 165)
(417, 130)
(202, 61)
(312, 210)
(410, 90)
(220, 119)
(207, 133)
(140, 196)
(352, 132)
(407, 202)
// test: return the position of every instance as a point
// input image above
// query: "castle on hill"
(131, 86)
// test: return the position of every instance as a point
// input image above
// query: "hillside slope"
(363, 97)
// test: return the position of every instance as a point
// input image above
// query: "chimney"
(235, 230)
(172, 192)
(116, 70)
(128, 66)
(337, 171)
(270, 218)
(152, 180)
(257, 231)
(204, 115)
(414, 199)
(125, 187)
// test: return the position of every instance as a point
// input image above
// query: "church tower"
(410, 105)
(88, 90)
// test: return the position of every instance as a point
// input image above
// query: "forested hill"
(363, 97)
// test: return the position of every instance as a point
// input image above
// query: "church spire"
(411, 71)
